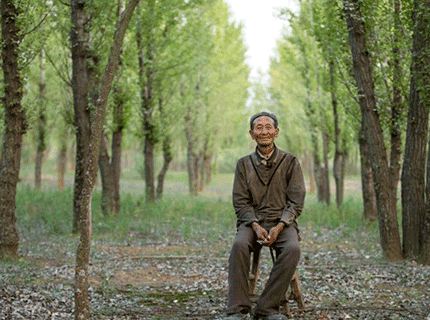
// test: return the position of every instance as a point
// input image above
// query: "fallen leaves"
(188, 281)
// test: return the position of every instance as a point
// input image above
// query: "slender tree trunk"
(15, 126)
(107, 178)
(413, 173)
(370, 212)
(167, 154)
(425, 229)
(339, 157)
(201, 175)
(41, 125)
(62, 160)
(146, 76)
(386, 199)
(82, 308)
(396, 107)
(319, 174)
(110, 167)
(192, 157)
(168, 157)
(117, 136)
(326, 176)
(207, 167)
(79, 39)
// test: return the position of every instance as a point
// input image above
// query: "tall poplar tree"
(386, 199)
(15, 126)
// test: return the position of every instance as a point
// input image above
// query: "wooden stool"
(294, 294)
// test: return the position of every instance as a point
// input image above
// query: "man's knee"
(291, 252)
(240, 246)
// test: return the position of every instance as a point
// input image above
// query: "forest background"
(171, 93)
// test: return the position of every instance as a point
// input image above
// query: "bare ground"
(189, 281)
(139, 279)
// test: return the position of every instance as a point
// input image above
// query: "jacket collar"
(274, 158)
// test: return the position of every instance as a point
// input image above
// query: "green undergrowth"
(180, 218)
(175, 218)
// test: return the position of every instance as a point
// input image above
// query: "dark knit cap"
(260, 114)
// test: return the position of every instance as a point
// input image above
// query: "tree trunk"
(110, 167)
(82, 117)
(385, 197)
(117, 153)
(207, 167)
(368, 191)
(15, 126)
(62, 160)
(319, 174)
(167, 153)
(339, 156)
(326, 177)
(82, 308)
(146, 75)
(107, 178)
(41, 145)
(413, 172)
(168, 157)
(396, 107)
(192, 156)
(425, 229)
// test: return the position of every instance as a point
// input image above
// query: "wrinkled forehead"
(263, 120)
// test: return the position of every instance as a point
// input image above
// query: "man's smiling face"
(264, 131)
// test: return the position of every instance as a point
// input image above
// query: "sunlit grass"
(177, 217)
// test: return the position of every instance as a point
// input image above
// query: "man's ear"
(251, 133)
(276, 132)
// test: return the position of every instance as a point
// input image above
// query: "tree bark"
(82, 308)
(385, 197)
(110, 167)
(117, 136)
(107, 178)
(82, 115)
(396, 106)
(146, 76)
(192, 156)
(339, 155)
(62, 160)
(41, 144)
(425, 229)
(413, 173)
(15, 126)
(325, 175)
(370, 212)
(167, 158)
(167, 154)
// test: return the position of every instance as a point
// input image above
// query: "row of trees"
(181, 77)
(364, 70)
(177, 74)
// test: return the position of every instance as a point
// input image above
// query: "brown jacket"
(275, 192)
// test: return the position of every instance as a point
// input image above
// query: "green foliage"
(177, 218)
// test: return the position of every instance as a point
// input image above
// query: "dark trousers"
(287, 250)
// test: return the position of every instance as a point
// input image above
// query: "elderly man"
(268, 196)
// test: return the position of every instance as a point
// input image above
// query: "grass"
(177, 216)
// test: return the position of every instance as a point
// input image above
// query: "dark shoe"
(273, 316)
(235, 316)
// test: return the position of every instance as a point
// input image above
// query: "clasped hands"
(267, 238)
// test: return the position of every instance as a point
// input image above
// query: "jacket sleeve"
(296, 192)
(242, 201)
